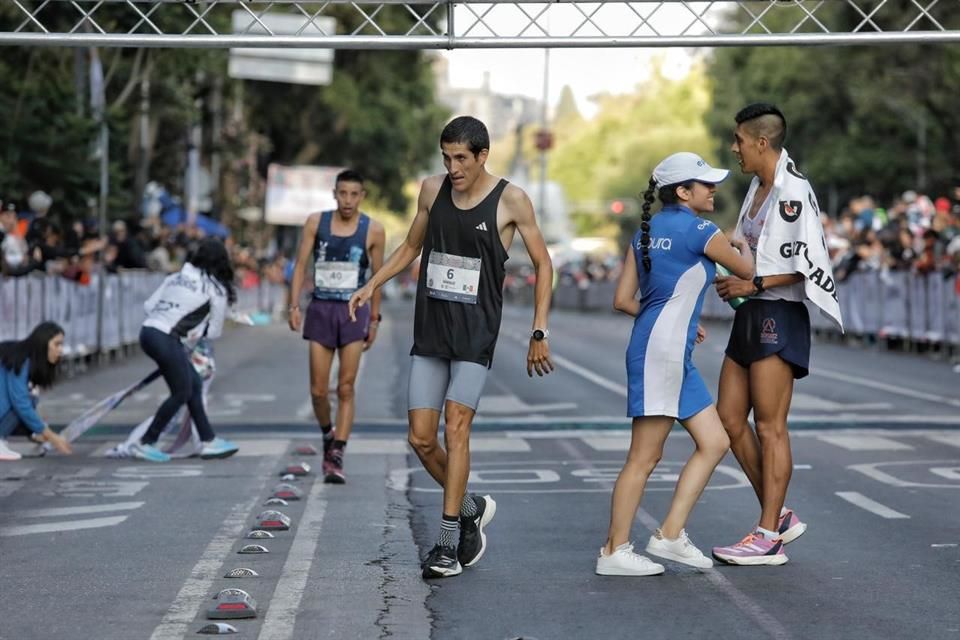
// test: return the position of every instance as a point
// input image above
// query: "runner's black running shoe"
(441, 562)
(473, 541)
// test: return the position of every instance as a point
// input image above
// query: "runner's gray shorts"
(433, 380)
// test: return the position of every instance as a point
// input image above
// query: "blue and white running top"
(662, 380)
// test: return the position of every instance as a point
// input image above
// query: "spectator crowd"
(35, 239)
(915, 233)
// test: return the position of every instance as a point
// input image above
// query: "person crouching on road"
(189, 305)
(671, 262)
(32, 361)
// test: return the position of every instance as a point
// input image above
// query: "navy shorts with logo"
(763, 328)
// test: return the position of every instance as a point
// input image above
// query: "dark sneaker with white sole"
(473, 541)
(441, 562)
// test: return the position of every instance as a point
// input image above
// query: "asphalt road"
(100, 548)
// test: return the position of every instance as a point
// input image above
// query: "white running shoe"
(680, 550)
(6, 453)
(624, 562)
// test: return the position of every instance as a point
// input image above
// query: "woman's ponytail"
(645, 224)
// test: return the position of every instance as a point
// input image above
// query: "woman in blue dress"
(670, 262)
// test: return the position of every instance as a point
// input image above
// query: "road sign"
(290, 65)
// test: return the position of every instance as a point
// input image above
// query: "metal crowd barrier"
(879, 304)
(102, 316)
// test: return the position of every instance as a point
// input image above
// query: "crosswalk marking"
(864, 443)
(607, 443)
(267, 447)
(399, 445)
(73, 511)
(69, 525)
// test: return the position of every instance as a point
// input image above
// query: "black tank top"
(460, 286)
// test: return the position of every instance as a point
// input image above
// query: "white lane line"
(52, 527)
(883, 386)
(864, 443)
(193, 593)
(874, 507)
(73, 511)
(745, 603)
(281, 617)
(952, 439)
(583, 372)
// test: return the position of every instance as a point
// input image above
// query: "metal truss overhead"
(393, 24)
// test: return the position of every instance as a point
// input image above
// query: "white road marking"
(52, 527)
(947, 545)
(281, 616)
(193, 593)
(864, 443)
(872, 506)
(896, 389)
(809, 402)
(261, 447)
(509, 404)
(398, 445)
(74, 511)
(951, 438)
(16, 479)
(872, 470)
(607, 443)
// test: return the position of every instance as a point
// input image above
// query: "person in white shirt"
(190, 304)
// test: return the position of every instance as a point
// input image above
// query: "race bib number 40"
(453, 278)
(336, 276)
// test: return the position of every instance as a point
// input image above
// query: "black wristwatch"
(540, 334)
(758, 283)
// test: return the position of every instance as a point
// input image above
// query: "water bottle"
(733, 302)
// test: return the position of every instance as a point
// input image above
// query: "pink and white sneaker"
(789, 527)
(753, 550)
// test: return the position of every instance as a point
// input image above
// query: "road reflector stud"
(242, 572)
(232, 604)
(256, 534)
(298, 469)
(276, 501)
(217, 629)
(273, 520)
(288, 477)
(287, 492)
(306, 450)
(254, 548)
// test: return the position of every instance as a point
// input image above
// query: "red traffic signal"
(617, 207)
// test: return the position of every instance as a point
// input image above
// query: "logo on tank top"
(481, 227)
(768, 331)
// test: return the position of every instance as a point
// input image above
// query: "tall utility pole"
(542, 204)
(193, 154)
(143, 146)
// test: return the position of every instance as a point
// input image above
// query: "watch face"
(538, 335)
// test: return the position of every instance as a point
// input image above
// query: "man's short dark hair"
(349, 175)
(763, 119)
(466, 130)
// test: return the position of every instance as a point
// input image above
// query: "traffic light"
(617, 207)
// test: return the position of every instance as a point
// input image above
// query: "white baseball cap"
(684, 166)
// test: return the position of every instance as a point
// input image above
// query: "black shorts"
(763, 328)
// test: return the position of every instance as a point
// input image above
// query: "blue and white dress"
(662, 379)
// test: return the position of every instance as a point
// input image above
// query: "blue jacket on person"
(15, 396)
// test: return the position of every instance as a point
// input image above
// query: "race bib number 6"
(453, 278)
(336, 276)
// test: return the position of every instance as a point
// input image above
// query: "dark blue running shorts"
(763, 328)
